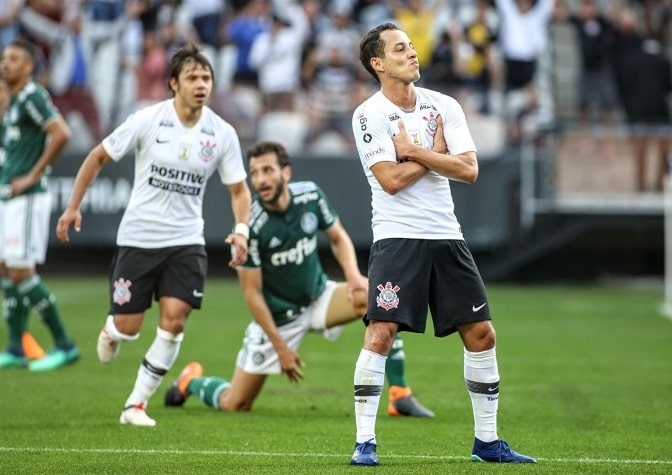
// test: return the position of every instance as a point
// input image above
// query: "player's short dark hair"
(26, 46)
(189, 53)
(264, 147)
(372, 46)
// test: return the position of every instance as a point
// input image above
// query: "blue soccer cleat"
(54, 359)
(10, 360)
(365, 454)
(497, 452)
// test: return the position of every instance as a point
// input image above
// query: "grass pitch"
(586, 388)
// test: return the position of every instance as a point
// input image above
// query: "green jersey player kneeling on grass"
(288, 293)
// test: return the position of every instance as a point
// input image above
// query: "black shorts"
(138, 275)
(408, 276)
(519, 74)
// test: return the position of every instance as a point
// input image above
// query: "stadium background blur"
(552, 201)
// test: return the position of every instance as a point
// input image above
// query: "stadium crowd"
(288, 69)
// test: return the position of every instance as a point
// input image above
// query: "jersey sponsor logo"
(175, 187)
(387, 298)
(177, 174)
(207, 131)
(308, 222)
(275, 242)
(207, 152)
(362, 121)
(367, 138)
(425, 106)
(122, 291)
(304, 247)
(305, 198)
(369, 155)
(394, 116)
(166, 123)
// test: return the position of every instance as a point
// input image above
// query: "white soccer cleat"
(108, 349)
(136, 416)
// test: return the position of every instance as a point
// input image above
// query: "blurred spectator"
(334, 92)
(72, 42)
(206, 18)
(478, 60)
(341, 32)
(369, 13)
(442, 73)
(418, 21)
(276, 56)
(152, 71)
(657, 18)
(646, 91)
(9, 26)
(596, 77)
(523, 38)
(250, 18)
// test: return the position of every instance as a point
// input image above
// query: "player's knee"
(229, 405)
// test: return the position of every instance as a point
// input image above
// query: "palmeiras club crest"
(387, 298)
(122, 292)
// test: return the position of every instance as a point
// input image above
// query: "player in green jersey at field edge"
(34, 134)
(288, 293)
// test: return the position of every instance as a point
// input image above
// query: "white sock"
(369, 381)
(158, 360)
(114, 333)
(482, 379)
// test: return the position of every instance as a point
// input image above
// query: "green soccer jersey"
(284, 246)
(23, 133)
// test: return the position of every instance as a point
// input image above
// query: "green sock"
(43, 301)
(208, 389)
(395, 366)
(16, 315)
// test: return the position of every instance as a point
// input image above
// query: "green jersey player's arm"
(251, 281)
(344, 252)
(86, 175)
(58, 135)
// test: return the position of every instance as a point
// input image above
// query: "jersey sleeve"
(327, 215)
(39, 108)
(231, 169)
(125, 137)
(455, 128)
(373, 137)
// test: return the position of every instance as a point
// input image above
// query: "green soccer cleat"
(10, 360)
(54, 359)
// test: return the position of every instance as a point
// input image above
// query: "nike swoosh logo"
(493, 389)
(158, 140)
(198, 294)
(474, 308)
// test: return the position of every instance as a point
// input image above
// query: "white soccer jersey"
(172, 166)
(423, 210)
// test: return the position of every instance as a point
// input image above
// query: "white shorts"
(25, 230)
(257, 356)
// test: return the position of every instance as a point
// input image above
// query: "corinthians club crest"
(387, 298)
(122, 291)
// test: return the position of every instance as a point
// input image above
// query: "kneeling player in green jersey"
(288, 293)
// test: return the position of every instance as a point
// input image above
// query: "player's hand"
(291, 364)
(238, 244)
(69, 216)
(440, 145)
(402, 143)
(358, 287)
(22, 183)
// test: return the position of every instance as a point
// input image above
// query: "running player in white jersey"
(411, 142)
(178, 143)
(288, 292)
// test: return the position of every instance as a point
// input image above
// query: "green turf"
(586, 388)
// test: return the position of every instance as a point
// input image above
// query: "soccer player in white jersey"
(287, 291)
(178, 143)
(411, 142)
